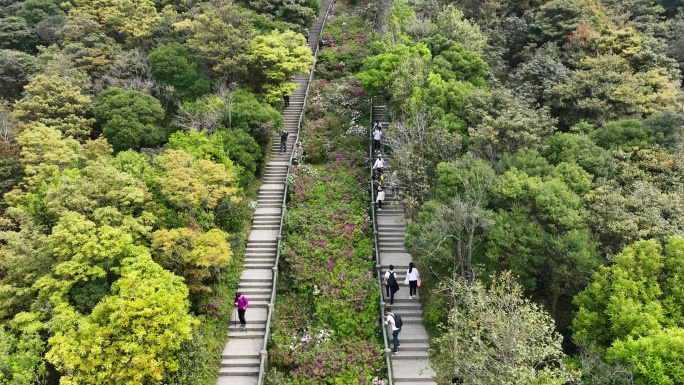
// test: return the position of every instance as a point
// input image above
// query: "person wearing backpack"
(391, 284)
(395, 321)
(283, 141)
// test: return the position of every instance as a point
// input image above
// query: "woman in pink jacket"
(241, 303)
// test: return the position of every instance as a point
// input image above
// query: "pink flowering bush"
(344, 44)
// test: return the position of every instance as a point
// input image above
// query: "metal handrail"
(271, 305)
(378, 266)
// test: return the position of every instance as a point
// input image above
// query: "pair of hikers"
(392, 286)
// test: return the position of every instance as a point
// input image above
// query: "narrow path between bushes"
(410, 366)
(241, 359)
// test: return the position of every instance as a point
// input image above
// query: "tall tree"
(497, 336)
(58, 103)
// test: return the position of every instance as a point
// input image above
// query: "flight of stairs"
(241, 356)
(411, 365)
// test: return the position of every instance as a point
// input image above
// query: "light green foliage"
(605, 88)
(451, 23)
(23, 259)
(551, 200)
(497, 336)
(633, 308)
(173, 65)
(623, 134)
(460, 64)
(221, 37)
(569, 147)
(503, 123)
(123, 19)
(45, 153)
(89, 192)
(58, 103)
(655, 359)
(574, 176)
(467, 177)
(21, 349)
(86, 45)
(276, 58)
(528, 161)
(447, 98)
(192, 254)
(377, 69)
(129, 119)
(195, 187)
(132, 335)
(34, 11)
(223, 147)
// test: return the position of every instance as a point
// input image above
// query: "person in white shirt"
(377, 136)
(413, 277)
(381, 197)
(379, 164)
(391, 320)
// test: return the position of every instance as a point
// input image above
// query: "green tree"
(296, 14)
(497, 336)
(15, 33)
(15, 69)
(605, 88)
(173, 65)
(576, 147)
(221, 37)
(130, 119)
(623, 134)
(58, 103)
(195, 187)
(633, 310)
(275, 59)
(122, 19)
(132, 335)
(192, 254)
(501, 123)
(21, 350)
(35, 11)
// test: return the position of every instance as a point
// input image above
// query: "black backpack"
(392, 281)
(398, 323)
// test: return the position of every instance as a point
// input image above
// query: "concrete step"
(239, 371)
(250, 327)
(412, 355)
(241, 362)
(247, 334)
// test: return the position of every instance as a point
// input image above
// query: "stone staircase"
(411, 365)
(240, 360)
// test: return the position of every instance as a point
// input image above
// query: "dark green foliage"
(259, 119)
(15, 33)
(557, 19)
(85, 295)
(173, 65)
(15, 69)
(296, 14)
(129, 119)
(623, 134)
(35, 11)
(667, 128)
(11, 169)
(566, 147)
(244, 151)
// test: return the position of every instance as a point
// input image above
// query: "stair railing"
(378, 265)
(263, 364)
